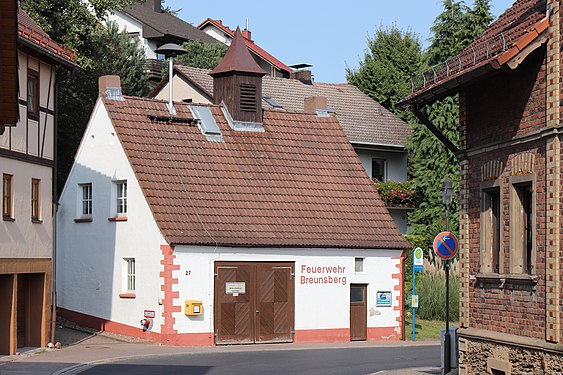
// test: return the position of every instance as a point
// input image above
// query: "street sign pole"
(417, 265)
(413, 293)
(447, 364)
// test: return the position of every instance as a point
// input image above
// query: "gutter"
(44, 51)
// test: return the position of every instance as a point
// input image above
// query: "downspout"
(55, 204)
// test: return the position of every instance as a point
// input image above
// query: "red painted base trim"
(343, 335)
(179, 339)
(107, 325)
(322, 335)
(384, 334)
(189, 339)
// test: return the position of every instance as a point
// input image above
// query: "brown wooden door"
(234, 304)
(358, 312)
(274, 312)
(254, 302)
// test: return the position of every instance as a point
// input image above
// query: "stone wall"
(482, 357)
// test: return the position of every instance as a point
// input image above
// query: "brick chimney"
(246, 34)
(110, 87)
(315, 103)
(237, 81)
(305, 76)
(156, 5)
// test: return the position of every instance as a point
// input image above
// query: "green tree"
(392, 58)
(430, 162)
(100, 50)
(202, 55)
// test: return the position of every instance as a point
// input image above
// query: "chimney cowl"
(246, 34)
(304, 75)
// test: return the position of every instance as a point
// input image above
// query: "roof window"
(206, 123)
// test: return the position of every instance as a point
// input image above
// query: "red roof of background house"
(297, 184)
(31, 32)
(514, 30)
(249, 43)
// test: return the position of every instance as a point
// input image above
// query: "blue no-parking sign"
(446, 245)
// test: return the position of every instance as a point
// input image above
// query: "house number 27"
(188, 273)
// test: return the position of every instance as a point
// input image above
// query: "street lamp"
(447, 194)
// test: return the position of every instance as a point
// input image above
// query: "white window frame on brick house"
(491, 224)
(522, 224)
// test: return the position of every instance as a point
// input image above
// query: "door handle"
(257, 311)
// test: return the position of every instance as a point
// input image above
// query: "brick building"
(509, 84)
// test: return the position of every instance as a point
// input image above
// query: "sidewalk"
(83, 350)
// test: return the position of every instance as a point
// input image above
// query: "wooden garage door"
(254, 302)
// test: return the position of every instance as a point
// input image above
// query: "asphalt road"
(346, 361)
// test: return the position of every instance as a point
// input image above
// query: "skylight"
(271, 101)
(206, 123)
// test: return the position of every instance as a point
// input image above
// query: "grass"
(425, 329)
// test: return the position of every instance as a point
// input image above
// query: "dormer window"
(248, 97)
(33, 94)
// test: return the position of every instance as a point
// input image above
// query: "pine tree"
(100, 50)
(393, 57)
(202, 55)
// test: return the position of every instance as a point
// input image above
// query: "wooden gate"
(254, 302)
(358, 312)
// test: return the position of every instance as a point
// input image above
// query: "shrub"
(431, 290)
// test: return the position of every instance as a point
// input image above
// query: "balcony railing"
(153, 67)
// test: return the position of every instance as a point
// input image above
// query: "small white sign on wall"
(235, 288)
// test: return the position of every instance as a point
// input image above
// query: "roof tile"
(297, 184)
(363, 119)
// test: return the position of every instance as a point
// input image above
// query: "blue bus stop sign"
(446, 245)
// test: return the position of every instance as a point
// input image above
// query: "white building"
(225, 224)
(27, 159)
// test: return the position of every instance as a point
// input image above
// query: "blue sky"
(328, 35)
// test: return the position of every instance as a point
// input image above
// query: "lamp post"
(447, 194)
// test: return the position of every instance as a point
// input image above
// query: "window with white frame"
(129, 274)
(359, 264)
(121, 197)
(85, 191)
(378, 169)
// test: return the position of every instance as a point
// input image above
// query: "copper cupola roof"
(238, 59)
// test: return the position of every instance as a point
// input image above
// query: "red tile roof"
(516, 28)
(298, 184)
(249, 43)
(30, 31)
